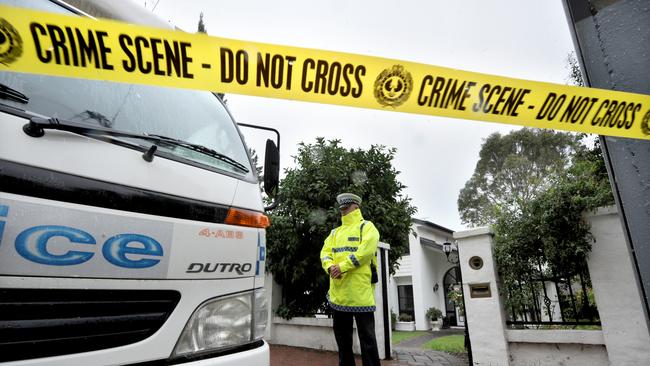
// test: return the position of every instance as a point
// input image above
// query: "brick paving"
(409, 352)
(402, 356)
(406, 353)
(297, 356)
(414, 357)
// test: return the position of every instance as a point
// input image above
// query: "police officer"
(348, 256)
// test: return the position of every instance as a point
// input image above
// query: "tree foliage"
(201, 28)
(534, 187)
(307, 213)
(549, 236)
(512, 170)
(258, 168)
(575, 74)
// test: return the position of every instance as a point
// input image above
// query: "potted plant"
(446, 322)
(393, 319)
(405, 323)
(435, 316)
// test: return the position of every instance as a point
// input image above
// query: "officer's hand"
(335, 271)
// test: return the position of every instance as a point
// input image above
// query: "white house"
(425, 277)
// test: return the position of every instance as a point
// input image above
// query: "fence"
(529, 320)
(542, 299)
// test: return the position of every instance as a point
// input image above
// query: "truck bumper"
(259, 356)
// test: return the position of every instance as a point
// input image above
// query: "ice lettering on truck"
(32, 244)
(116, 248)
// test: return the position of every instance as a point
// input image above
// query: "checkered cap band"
(348, 198)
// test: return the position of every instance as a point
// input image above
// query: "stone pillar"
(274, 298)
(616, 290)
(484, 312)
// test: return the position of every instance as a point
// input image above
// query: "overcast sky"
(436, 156)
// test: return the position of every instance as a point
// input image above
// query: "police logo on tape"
(393, 86)
(645, 123)
(11, 45)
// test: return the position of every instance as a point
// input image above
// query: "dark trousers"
(365, 329)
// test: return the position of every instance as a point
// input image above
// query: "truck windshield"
(192, 116)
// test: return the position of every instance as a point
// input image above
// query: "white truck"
(132, 228)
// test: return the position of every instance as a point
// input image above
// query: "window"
(197, 117)
(405, 299)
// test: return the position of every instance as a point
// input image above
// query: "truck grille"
(50, 322)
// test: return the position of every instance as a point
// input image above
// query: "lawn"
(401, 336)
(451, 344)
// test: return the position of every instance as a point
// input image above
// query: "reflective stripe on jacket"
(353, 291)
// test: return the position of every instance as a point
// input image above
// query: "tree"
(255, 162)
(512, 170)
(549, 237)
(539, 232)
(307, 213)
(202, 28)
(575, 74)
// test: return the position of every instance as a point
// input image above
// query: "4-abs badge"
(393, 86)
(11, 46)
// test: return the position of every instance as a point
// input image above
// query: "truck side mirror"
(271, 169)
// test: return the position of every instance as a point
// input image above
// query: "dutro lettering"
(238, 268)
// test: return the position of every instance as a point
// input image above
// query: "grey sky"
(515, 38)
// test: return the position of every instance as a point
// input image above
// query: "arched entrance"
(451, 279)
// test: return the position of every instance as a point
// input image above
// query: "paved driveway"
(296, 356)
(409, 353)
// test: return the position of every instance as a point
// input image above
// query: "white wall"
(556, 347)
(485, 316)
(312, 333)
(434, 266)
(422, 268)
(617, 292)
(624, 339)
(429, 267)
(393, 300)
(527, 354)
(405, 266)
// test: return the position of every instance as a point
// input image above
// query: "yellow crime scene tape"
(73, 46)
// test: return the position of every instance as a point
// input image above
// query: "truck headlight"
(224, 323)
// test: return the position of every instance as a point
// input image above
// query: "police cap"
(345, 199)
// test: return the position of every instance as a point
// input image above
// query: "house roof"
(432, 225)
(434, 245)
(431, 243)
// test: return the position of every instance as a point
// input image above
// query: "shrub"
(405, 317)
(434, 313)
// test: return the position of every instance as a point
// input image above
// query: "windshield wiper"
(37, 125)
(12, 94)
(202, 149)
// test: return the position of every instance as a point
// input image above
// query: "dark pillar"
(612, 39)
(383, 258)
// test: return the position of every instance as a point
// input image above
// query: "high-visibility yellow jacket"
(353, 248)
